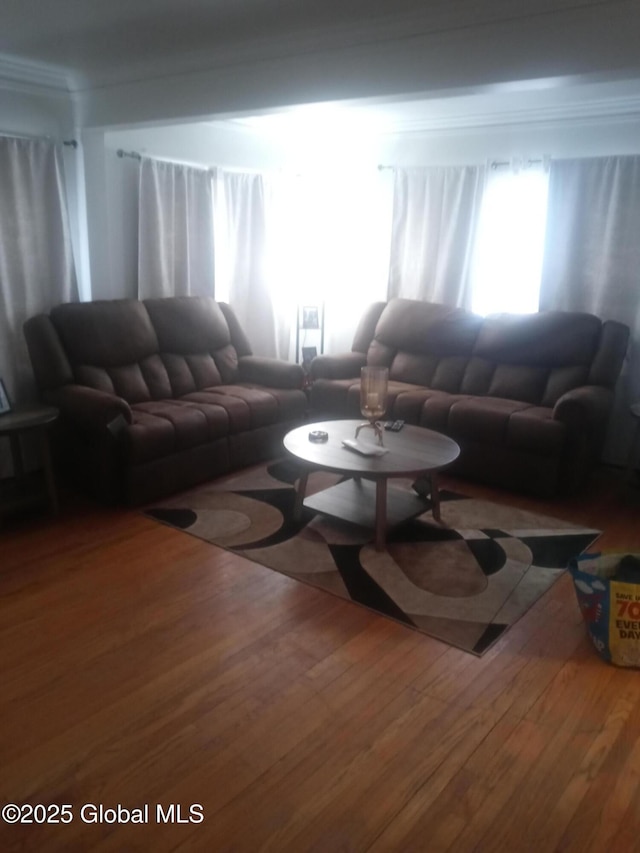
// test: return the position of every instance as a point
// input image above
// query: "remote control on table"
(394, 426)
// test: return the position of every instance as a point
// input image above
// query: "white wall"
(36, 112)
(112, 225)
(582, 138)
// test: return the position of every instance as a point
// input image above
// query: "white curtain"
(175, 230)
(36, 261)
(242, 278)
(592, 260)
(435, 219)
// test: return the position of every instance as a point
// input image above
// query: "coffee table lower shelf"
(355, 501)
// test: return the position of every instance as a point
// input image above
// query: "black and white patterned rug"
(464, 582)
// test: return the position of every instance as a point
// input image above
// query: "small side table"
(634, 450)
(37, 420)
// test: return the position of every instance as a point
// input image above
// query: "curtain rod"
(499, 164)
(133, 154)
(136, 156)
(494, 164)
(71, 143)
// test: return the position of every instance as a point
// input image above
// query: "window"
(507, 260)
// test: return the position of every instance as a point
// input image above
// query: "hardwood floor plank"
(140, 665)
(457, 815)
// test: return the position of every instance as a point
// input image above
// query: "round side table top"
(29, 417)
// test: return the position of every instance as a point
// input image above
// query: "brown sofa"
(527, 397)
(159, 395)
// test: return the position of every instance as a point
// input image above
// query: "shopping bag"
(608, 592)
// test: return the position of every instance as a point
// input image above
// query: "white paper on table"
(364, 449)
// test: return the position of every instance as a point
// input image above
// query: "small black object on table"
(24, 489)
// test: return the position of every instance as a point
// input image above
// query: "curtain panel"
(435, 218)
(175, 230)
(592, 260)
(36, 261)
(242, 265)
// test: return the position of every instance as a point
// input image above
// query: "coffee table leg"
(300, 493)
(16, 456)
(48, 470)
(435, 497)
(381, 514)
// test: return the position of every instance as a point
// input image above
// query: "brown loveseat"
(527, 397)
(159, 395)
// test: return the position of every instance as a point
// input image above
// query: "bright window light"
(507, 263)
(328, 241)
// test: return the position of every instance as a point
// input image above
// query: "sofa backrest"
(533, 358)
(194, 343)
(424, 343)
(150, 350)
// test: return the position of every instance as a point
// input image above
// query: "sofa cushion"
(441, 373)
(519, 382)
(188, 324)
(534, 429)
(113, 347)
(561, 380)
(332, 395)
(105, 333)
(483, 419)
(237, 411)
(534, 358)
(163, 427)
(194, 337)
(187, 373)
(249, 407)
(424, 343)
(409, 403)
(436, 411)
(550, 339)
(427, 328)
(292, 402)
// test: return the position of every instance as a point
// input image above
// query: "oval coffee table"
(365, 499)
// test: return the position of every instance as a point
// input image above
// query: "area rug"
(464, 582)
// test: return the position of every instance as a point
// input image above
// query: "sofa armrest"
(271, 372)
(586, 408)
(88, 407)
(343, 366)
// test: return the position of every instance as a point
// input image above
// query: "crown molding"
(34, 78)
(622, 109)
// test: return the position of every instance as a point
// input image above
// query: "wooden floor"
(142, 666)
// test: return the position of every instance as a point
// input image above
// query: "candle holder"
(374, 382)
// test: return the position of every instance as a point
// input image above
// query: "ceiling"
(97, 44)
(104, 41)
